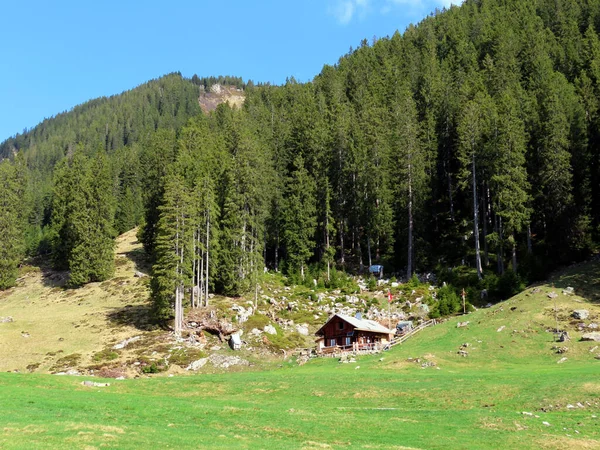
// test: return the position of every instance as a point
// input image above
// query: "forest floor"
(513, 386)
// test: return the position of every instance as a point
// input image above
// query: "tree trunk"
(514, 253)
(342, 257)
(486, 216)
(207, 256)
(529, 246)
(501, 247)
(476, 221)
(327, 246)
(409, 264)
(194, 269)
(369, 250)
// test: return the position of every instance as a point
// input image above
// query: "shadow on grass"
(137, 316)
(53, 278)
(583, 277)
(140, 260)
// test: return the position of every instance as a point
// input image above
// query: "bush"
(448, 301)
(509, 284)
(371, 283)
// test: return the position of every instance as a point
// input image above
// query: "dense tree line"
(470, 139)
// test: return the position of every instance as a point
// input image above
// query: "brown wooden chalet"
(345, 333)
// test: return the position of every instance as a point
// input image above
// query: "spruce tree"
(299, 217)
(11, 224)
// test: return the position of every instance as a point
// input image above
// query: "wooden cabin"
(345, 333)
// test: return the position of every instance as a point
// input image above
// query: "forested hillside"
(470, 139)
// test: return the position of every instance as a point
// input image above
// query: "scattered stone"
(270, 329)
(593, 349)
(546, 423)
(581, 314)
(501, 328)
(463, 353)
(195, 365)
(536, 290)
(138, 274)
(563, 337)
(126, 342)
(560, 350)
(462, 324)
(8, 319)
(525, 413)
(552, 294)
(593, 326)
(595, 337)
(395, 284)
(357, 367)
(255, 332)
(94, 384)
(302, 329)
(25, 334)
(568, 291)
(561, 360)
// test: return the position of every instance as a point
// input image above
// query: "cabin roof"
(359, 324)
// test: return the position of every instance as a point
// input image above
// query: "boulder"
(6, 319)
(138, 274)
(568, 291)
(302, 329)
(581, 314)
(126, 342)
(594, 337)
(552, 295)
(195, 365)
(270, 329)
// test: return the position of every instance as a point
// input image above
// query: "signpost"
(389, 309)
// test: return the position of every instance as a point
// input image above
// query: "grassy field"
(510, 391)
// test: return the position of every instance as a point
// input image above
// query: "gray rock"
(302, 329)
(594, 337)
(195, 365)
(581, 314)
(138, 274)
(552, 294)
(568, 291)
(270, 329)
(593, 326)
(126, 342)
(94, 384)
(6, 319)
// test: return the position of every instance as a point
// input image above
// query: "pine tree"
(11, 224)
(299, 217)
(172, 248)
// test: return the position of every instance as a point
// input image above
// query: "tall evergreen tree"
(11, 223)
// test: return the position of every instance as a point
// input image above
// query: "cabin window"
(341, 325)
(332, 342)
(348, 341)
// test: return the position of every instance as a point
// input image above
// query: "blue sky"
(57, 54)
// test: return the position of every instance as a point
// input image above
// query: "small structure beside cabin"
(376, 270)
(345, 333)
(404, 326)
(235, 342)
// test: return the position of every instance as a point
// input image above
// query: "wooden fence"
(411, 333)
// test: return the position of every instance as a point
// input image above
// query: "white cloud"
(346, 10)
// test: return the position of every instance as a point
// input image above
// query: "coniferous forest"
(470, 141)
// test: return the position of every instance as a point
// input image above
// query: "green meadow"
(512, 390)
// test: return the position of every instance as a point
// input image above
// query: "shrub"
(371, 283)
(509, 284)
(448, 301)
